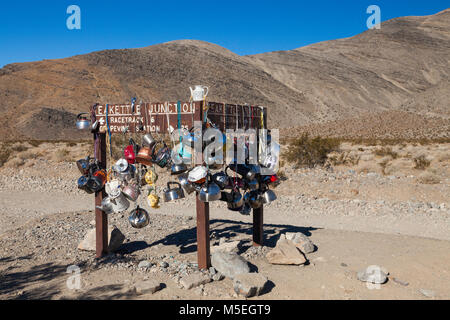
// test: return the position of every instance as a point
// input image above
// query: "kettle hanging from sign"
(199, 93)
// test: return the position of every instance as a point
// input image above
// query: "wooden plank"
(101, 219)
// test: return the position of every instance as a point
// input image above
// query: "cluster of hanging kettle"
(242, 186)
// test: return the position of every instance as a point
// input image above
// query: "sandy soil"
(355, 217)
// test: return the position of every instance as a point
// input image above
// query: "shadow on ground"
(186, 239)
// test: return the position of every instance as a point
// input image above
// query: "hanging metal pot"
(252, 198)
(268, 196)
(148, 140)
(97, 181)
(120, 203)
(235, 201)
(82, 122)
(246, 209)
(132, 192)
(198, 175)
(162, 157)
(185, 184)
(144, 156)
(171, 194)
(106, 206)
(246, 171)
(139, 218)
(83, 185)
(210, 191)
(129, 154)
(221, 179)
(153, 201)
(83, 165)
(252, 185)
(113, 188)
(178, 168)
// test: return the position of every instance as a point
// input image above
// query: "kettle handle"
(80, 114)
(172, 182)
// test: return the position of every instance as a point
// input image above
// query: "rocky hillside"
(404, 66)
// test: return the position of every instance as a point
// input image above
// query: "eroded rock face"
(115, 240)
(285, 252)
(229, 264)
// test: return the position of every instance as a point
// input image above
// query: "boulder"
(285, 252)
(249, 284)
(115, 240)
(194, 280)
(229, 264)
(302, 242)
(231, 246)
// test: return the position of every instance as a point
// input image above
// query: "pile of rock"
(291, 249)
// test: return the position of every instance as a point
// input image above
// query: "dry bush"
(421, 162)
(28, 155)
(71, 144)
(344, 158)
(428, 177)
(383, 164)
(35, 143)
(310, 152)
(4, 155)
(15, 163)
(386, 151)
(19, 147)
(62, 155)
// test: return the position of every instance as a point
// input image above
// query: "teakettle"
(148, 140)
(173, 194)
(199, 93)
(82, 122)
(139, 218)
(185, 184)
(210, 191)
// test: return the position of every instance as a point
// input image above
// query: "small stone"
(212, 271)
(344, 265)
(144, 264)
(229, 264)
(145, 287)
(400, 282)
(194, 280)
(428, 293)
(373, 274)
(218, 277)
(250, 284)
(285, 252)
(163, 264)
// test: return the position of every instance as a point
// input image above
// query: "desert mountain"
(403, 67)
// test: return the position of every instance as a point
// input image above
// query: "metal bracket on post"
(101, 219)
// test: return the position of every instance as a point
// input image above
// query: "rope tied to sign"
(108, 128)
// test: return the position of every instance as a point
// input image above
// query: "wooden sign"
(160, 116)
(146, 117)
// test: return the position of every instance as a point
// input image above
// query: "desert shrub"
(19, 148)
(71, 144)
(310, 152)
(62, 155)
(35, 143)
(383, 164)
(421, 162)
(4, 156)
(28, 155)
(15, 163)
(344, 158)
(428, 177)
(386, 151)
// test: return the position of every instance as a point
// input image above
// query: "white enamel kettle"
(199, 93)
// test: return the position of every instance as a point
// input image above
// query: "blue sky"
(36, 30)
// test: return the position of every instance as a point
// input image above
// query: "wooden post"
(101, 219)
(203, 245)
(258, 230)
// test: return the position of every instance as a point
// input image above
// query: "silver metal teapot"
(139, 218)
(171, 194)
